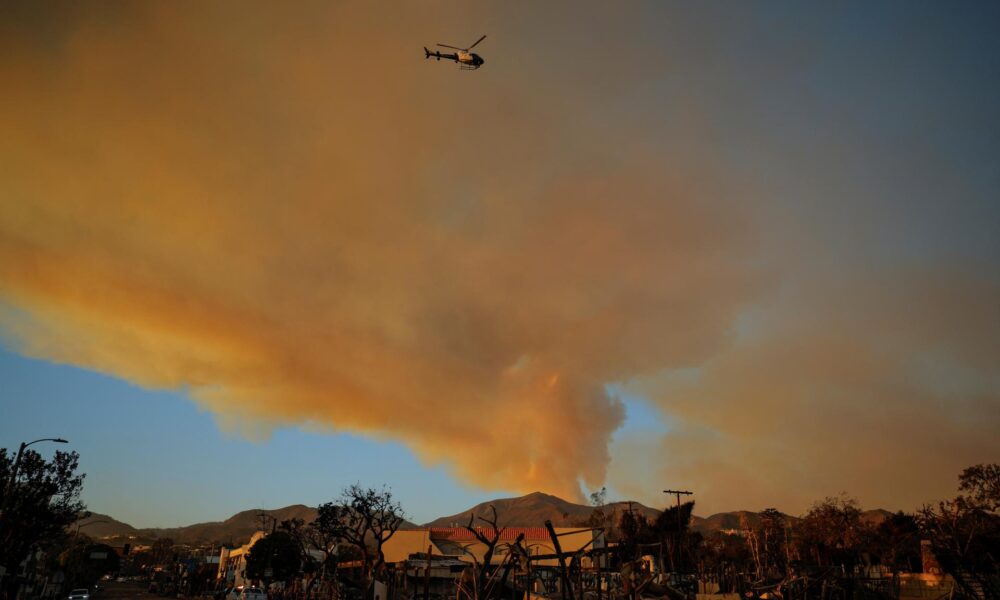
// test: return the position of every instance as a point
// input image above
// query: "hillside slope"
(532, 510)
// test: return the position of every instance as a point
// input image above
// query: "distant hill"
(237, 529)
(734, 519)
(727, 520)
(97, 525)
(533, 510)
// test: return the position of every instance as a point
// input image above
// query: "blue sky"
(153, 459)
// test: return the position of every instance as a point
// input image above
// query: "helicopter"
(467, 61)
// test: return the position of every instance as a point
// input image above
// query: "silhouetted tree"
(896, 542)
(721, 556)
(36, 507)
(832, 533)
(634, 531)
(324, 535)
(767, 542)
(965, 532)
(670, 528)
(297, 530)
(276, 557)
(489, 536)
(600, 517)
(362, 517)
(319, 544)
(981, 484)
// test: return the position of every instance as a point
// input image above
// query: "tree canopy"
(37, 504)
(366, 518)
(276, 557)
(832, 531)
(965, 532)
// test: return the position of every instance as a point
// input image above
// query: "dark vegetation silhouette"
(37, 506)
(768, 552)
(275, 557)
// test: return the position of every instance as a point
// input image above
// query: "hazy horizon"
(423, 522)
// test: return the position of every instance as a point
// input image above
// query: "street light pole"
(17, 461)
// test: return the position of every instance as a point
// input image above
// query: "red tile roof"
(507, 534)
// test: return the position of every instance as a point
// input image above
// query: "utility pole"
(263, 517)
(678, 494)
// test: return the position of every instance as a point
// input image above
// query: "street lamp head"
(17, 460)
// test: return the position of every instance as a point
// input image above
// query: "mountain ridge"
(237, 529)
(533, 510)
(530, 510)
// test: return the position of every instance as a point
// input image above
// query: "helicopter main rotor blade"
(452, 47)
(477, 42)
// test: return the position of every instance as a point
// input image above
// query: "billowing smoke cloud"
(289, 213)
(285, 215)
(883, 389)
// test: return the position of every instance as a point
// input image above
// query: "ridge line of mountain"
(523, 511)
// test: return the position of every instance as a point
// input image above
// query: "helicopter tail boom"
(439, 56)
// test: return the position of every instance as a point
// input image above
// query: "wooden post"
(567, 585)
(510, 564)
(427, 574)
